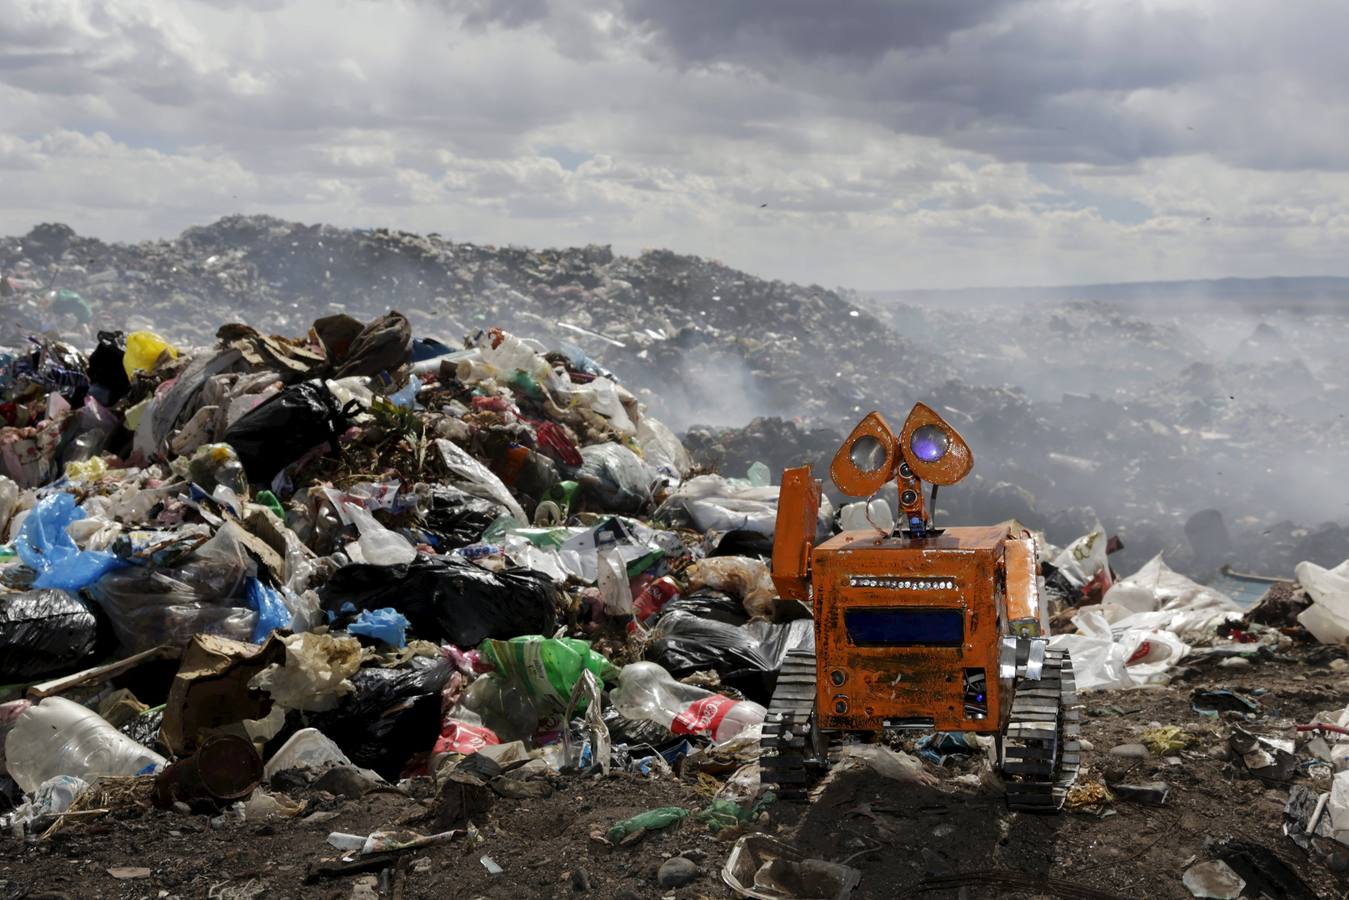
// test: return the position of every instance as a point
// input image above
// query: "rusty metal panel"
(1024, 607)
(794, 533)
(955, 572)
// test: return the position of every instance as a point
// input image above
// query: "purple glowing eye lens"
(930, 443)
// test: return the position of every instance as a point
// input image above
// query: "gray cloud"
(873, 144)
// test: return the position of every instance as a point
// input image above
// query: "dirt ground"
(945, 841)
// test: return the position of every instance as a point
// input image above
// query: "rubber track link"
(791, 752)
(1041, 749)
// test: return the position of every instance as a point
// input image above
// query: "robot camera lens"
(930, 443)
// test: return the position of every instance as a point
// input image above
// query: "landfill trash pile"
(1169, 417)
(356, 611)
(359, 611)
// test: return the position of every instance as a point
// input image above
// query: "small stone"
(1151, 793)
(1131, 751)
(123, 873)
(1085, 744)
(1235, 662)
(695, 854)
(580, 880)
(365, 887)
(677, 872)
(1339, 665)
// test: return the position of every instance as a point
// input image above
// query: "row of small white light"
(901, 584)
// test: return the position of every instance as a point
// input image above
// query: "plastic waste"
(547, 669)
(43, 632)
(446, 598)
(390, 716)
(60, 737)
(458, 739)
(9, 499)
(286, 426)
(53, 797)
(474, 478)
(270, 607)
(646, 691)
(1081, 560)
(615, 478)
(766, 868)
(108, 379)
(212, 465)
(306, 748)
(1213, 879)
(713, 503)
(613, 585)
(379, 546)
(1328, 617)
(202, 594)
(45, 547)
(867, 516)
(651, 820)
(388, 626)
(745, 656)
(143, 350)
(747, 579)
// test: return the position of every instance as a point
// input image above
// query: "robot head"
(926, 449)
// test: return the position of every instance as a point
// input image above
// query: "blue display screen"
(905, 627)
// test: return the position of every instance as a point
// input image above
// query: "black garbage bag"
(392, 716)
(107, 376)
(456, 519)
(43, 632)
(285, 427)
(446, 598)
(706, 603)
(747, 657)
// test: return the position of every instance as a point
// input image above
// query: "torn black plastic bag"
(747, 657)
(456, 519)
(42, 633)
(393, 715)
(286, 426)
(446, 598)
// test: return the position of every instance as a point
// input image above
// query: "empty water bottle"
(646, 691)
(60, 737)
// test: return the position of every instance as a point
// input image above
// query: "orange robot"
(918, 628)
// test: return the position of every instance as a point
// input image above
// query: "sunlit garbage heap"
(675, 326)
(369, 550)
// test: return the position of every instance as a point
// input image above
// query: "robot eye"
(867, 454)
(929, 443)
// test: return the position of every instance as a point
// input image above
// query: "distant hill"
(1309, 293)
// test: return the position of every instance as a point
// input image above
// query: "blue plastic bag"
(45, 547)
(387, 625)
(270, 607)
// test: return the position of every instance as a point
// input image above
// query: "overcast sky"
(866, 143)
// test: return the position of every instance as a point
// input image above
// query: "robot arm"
(794, 534)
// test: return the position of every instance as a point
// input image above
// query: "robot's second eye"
(929, 443)
(867, 454)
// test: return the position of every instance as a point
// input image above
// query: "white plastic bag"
(477, 479)
(379, 546)
(1328, 617)
(1083, 558)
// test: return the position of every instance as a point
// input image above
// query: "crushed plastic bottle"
(60, 737)
(646, 691)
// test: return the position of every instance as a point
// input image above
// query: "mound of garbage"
(256, 580)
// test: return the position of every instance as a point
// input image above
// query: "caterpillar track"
(1040, 749)
(794, 752)
(1040, 754)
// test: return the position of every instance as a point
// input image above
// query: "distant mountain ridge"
(1285, 292)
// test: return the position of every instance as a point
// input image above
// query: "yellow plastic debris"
(1165, 740)
(143, 350)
